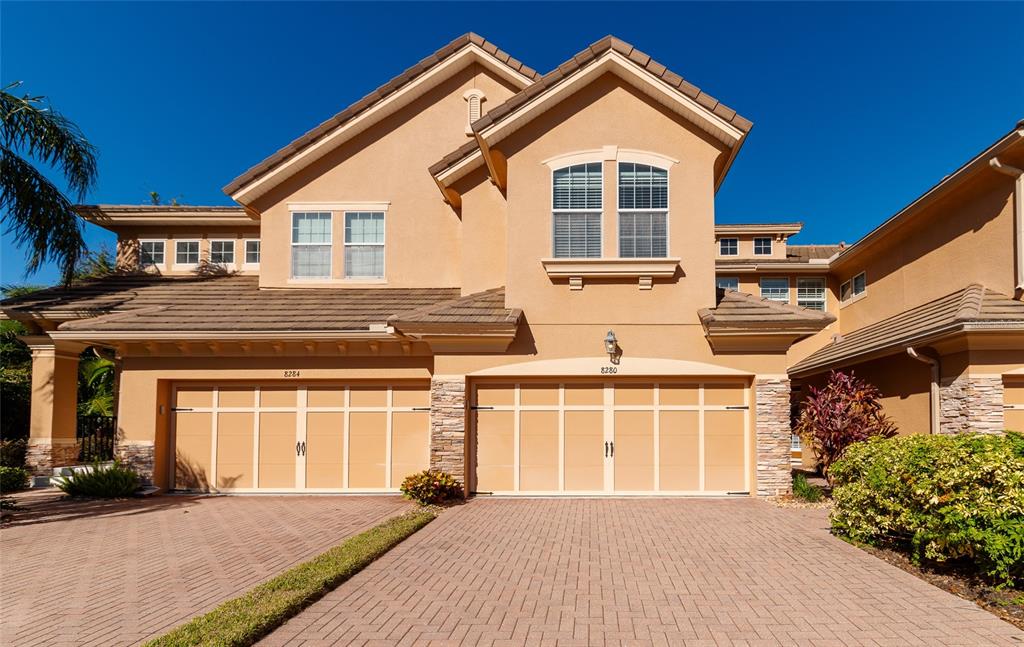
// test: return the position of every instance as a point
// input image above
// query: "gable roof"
(682, 90)
(974, 307)
(741, 312)
(514, 69)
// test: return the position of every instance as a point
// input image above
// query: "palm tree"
(33, 208)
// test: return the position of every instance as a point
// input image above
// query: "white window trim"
(667, 209)
(159, 266)
(245, 264)
(736, 240)
(292, 245)
(383, 245)
(601, 210)
(771, 245)
(186, 266)
(760, 288)
(736, 278)
(824, 295)
(234, 253)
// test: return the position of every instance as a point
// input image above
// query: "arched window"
(474, 110)
(643, 211)
(576, 202)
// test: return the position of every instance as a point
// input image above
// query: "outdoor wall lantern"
(611, 346)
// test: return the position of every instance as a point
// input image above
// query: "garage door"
(622, 438)
(311, 437)
(1013, 399)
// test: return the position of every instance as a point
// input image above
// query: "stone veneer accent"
(448, 425)
(773, 432)
(972, 404)
(138, 455)
(42, 456)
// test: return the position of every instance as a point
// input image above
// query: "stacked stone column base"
(448, 425)
(138, 455)
(972, 404)
(774, 473)
(43, 455)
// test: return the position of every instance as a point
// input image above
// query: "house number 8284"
(291, 373)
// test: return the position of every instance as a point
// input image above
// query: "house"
(518, 279)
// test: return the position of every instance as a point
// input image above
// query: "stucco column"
(774, 473)
(971, 404)
(448, 425)
(54, 417)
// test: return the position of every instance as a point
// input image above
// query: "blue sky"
(858, 108)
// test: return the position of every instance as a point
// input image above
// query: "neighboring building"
(510, 277)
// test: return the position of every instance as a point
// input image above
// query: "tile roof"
(804, 253)
(972, 307)
(740, 311)
(795, 254)
(377, 95)
(236, 304)
(577, 62)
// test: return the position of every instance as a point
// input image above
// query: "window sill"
(642, 269)
(322, 281)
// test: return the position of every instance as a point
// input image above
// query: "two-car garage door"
(672, 437)
(285, 437)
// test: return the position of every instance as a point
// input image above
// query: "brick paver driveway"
(116, 573)
(669, 572)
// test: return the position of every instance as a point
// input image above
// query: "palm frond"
(38, 215)
(45, 134)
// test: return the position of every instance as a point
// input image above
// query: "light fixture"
(611, 346)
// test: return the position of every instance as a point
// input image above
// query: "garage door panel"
(235, 437)
(410, 396)
(193, 434)
(726, 394)
(277, 454)
(236, 396)
(634, 451)
(1013, 392)
(584, 395)
(584, 450)
(277, 396)
(368, 449)
(368, 396)
(538, 451)
(325, 449)
(194, 396)
(634, 394)
(679, 394)
(495, 451)
(325, 396)
(1014, 419)
(410, 444)
(536, 395)
(495, 395)
(679, 450)
(724, 451)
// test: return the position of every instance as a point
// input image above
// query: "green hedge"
(13, 479)
(939, 498)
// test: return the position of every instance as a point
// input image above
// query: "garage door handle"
(606, 449)
(298, 448)
(613, 448)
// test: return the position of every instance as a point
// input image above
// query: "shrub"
(13, 479)
(804, 490)
(940, 498)
(100, 481)
(844, 412)
(431, 486)
(12, 452)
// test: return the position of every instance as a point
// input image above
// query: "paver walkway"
(647, 571)
(115, 573)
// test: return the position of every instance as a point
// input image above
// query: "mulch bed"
(1007, 603)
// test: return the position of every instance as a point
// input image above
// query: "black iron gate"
(96, 438)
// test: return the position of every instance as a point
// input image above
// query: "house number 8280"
(606, 370)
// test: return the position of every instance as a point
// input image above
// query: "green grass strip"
(249, 617)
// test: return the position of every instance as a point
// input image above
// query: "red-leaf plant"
(845, 411)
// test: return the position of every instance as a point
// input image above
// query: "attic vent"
(473, 99)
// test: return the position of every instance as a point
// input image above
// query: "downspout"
(933, 396)
(1018, 217)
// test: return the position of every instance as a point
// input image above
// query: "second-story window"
(222, 252)
(727, 283)
(810, 293)
(186, 252)
(763, 246)
(775, 289)
(643, 211)
(854, 287)
(364, 244)
(311, 245)
(252, 251)
(577, 202)
(151, 253)
(728, 247)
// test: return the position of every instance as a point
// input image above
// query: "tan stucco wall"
(609, 112)
(964, 238)
(388, 163)
(745, 246)
(484, 214)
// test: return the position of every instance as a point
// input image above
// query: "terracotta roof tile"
(482, 308)
(575, 63)
(973, 306)
(738, 310)
(372, 98)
